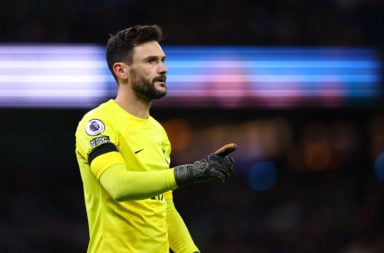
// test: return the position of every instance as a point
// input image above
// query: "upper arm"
(94, 138)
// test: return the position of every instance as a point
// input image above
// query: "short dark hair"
(120, 46)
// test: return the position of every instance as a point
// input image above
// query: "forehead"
(147, 49)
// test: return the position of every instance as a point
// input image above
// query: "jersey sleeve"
(96, 142)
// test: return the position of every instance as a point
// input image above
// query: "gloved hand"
(215, 167)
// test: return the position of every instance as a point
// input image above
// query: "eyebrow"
(154, 57)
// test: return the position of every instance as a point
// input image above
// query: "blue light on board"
(78, 76)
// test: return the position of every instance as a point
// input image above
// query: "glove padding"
(214, 167)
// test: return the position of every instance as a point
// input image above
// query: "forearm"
(125, 185)
(180, 239)
(122, 184)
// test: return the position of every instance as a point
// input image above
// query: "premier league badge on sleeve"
(94, 127)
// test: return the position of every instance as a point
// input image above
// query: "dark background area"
(326, 197)
(264, 22)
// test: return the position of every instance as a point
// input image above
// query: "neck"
(133, 105)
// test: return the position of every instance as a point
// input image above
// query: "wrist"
(182, 175)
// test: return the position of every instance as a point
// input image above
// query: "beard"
(145, 89)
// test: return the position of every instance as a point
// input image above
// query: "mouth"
(162, 80)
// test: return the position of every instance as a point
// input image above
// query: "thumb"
(226, 149)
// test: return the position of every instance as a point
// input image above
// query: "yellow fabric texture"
(105, 161)
(179, 237)
(140, 224)
(124, 185)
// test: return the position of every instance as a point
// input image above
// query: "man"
(124, 156)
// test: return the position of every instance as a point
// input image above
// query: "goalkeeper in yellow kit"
(124, 156)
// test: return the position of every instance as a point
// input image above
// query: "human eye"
(152, 60)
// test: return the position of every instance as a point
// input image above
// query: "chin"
(162, 90)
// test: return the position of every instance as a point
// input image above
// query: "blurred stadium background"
(297, 84)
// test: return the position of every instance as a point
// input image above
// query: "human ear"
(120, 70)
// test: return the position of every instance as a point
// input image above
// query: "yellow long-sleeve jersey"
(109, 137)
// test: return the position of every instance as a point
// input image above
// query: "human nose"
(162, 68)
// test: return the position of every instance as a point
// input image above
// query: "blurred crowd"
(326, 197)
(264, 22)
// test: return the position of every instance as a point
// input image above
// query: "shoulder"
(93, 121)
(158, 126)
(155, 123)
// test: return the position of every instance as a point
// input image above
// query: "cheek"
(146, 73)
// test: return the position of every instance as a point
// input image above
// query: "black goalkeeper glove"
(215, 167)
